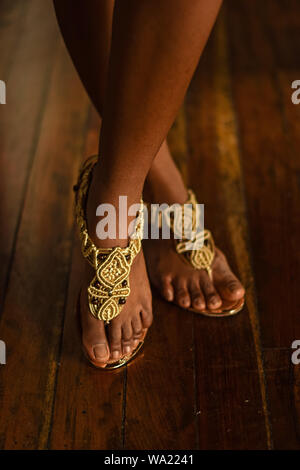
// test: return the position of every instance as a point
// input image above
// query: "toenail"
(214, 300)
(101, 351)
(115, 354)
(232, 287)
(135, 343)
(127, 349)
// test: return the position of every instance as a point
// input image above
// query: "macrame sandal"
(109, 288)
(198, 258)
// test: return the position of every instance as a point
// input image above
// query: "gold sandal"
(198, 251)
(109, 288)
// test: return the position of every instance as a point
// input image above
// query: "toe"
(94, 338)
(182, 296)
(212, 298)
(167, 288)
(146, 317)
(198, 300)
(226, 282)
(115, 336)
(137, 329)
(127, 337)
(96, 344)
(230, 288)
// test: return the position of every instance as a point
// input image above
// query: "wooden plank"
(283, 380)
(88, 409)
(34, 306)
(231, 398)
(270, 138)
(160, 405)
(27, 46)
(160, 402)
(270, 166)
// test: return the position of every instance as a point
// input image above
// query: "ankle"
(162, 186)
(108, 216)
(164, 181)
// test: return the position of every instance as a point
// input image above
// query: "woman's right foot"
(107, 344)
(123, 334)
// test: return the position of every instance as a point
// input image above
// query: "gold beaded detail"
(199, 258)
(110, 287)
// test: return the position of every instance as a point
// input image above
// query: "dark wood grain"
(161, 386)
(231, 404)
(283, 382)
(270, 164)
(263, 49)
(27, 55)
(160, 404)
(89, 404)
(34, 306)
(88, 412)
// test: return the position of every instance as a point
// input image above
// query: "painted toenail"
(101, 351)
(115, 354)
(127, 349)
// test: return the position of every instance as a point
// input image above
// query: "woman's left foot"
(188, 287)
(178, 281)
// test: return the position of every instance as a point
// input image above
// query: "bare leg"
(155, 49)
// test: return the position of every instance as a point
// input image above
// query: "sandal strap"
(110, 287)
(198, 258)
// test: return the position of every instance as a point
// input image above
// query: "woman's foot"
(121, 336)
(178, 281)
(188, 287)
(107, 344)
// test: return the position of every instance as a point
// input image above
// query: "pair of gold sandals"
(110, 286)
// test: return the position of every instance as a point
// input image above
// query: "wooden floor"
(200, 383)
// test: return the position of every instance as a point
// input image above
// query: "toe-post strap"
(110, 287)
(194, 244)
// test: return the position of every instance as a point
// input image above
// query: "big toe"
(101, 352)
(97, 349)
(226, 283)
(94, 340)
(229, 287)
(115, 337)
